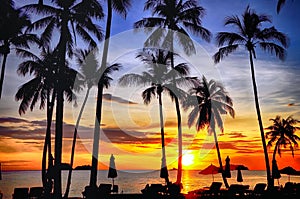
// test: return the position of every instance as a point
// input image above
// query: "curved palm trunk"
(2, 73)
(262, 134)
(93, 176)
(74, 143)
(59, 111)
(179, 129)
(162, 133)
(47, 143)
(220, 159)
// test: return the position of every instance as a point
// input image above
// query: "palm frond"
(121, 6)
(280, 4)
(279, 51)
(224, 52)
(148, 94)
(229, 38)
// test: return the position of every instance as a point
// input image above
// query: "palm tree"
(209, 101)
(89, 68)
(249, 34)
(13, 21)
(41, 87)
(121, 7)
(172, 18)
(68, 17)
(282, 133)
(159, 77)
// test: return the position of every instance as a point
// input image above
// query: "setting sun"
(187, 159)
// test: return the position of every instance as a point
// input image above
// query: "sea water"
(131, 181)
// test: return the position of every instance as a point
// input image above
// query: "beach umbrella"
(275, 171)
(227, 168)
(289, 171)
(239, 176)
(211, 169)
(164, 170)
(112, 171)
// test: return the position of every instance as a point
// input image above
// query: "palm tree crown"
(177, 16)
(249, 34)
(282, 133)
(78, 16)
(209, 101)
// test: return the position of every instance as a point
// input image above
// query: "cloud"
(236, 135)
(109, 97)
(119, 136)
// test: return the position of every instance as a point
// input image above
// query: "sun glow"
(187, 159)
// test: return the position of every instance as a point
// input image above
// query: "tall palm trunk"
(6, 46)
(262, 134)
(59, 111)
(220, 159)
(93, 176)
(73, 144)
(47, 143)
(178, 113)
(162, 133)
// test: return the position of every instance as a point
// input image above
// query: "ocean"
(130, 181)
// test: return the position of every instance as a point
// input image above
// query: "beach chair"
(237, 191)
(20, 193)
(258, 191)
(213, 191)
(104, 190)
(115, 189)
(36, 192)
(90, 192)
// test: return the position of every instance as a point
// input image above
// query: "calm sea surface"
(129, 181)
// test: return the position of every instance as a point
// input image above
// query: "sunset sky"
(131, 129)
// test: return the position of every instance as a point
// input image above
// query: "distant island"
(83, 167)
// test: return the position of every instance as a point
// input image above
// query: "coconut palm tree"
(121, 7)
(249, 34)
(69, 18)
(41, 88)
(209, 101)
(282, 133)
(159, 78)
(91, 72)
(172, 19)
(13, 21)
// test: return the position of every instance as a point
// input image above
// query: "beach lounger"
(115, 189)
(213, 191)
(258, 191)
(20, 193)
(104, 189)
(236, 191)
(36, 192)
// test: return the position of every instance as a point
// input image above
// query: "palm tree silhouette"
(13, 21)
(90, 70)
(249, 34)
(172, 18)
(209, 101)
(68, 17)
(121, 7)
(42, 88)
(282, 133)
(160, 78)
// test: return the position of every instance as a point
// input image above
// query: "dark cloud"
(119, 136)
(236, 135)
(12, 120)
(120, 100)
